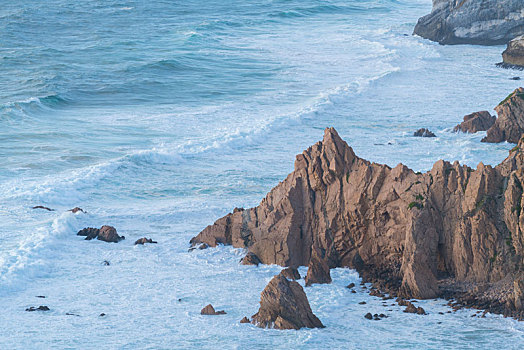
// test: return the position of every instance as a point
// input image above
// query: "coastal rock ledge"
(450, 232)
(478, 22)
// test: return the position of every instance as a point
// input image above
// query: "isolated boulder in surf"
(105, 233)
(284, 305)
(423, 132)
(478, 22)
(144, 240)
(210, 310)
(478, 121)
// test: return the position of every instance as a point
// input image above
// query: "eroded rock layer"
(480, 22)
(450, 231)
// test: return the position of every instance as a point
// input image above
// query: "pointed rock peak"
(519, 92)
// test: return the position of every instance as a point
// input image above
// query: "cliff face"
(421, 235)
(481, 22)
(514, 53)
(509, 125)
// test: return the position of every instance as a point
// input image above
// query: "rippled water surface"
(158, 117)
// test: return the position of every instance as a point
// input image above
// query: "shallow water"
(159, 117)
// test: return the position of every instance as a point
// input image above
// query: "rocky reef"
(453, 231)
(474, 122)
(479, 22)
(509, 125)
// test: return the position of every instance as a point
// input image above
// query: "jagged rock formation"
(105, 233)
(478, 121)
(318, 270)
(514, 53)
(479, 22)
(509, 125)
(448, 232)
(424, 133)
(210, 311)
(284, 305)
(290, 273)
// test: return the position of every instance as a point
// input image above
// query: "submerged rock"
(429, 228)
(250, 259)
(105, 233)
(514, 53)
(42, 207)
(284, 305)
(424, 133)
(144, 240)
(478, 121)
(210, 310)
(290, 273)
(479, 22)
(40, 308)
(509, 125)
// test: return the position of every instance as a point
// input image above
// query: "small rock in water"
(351, 285)
(423, 132)
(42, 207)
(250, 259)
(179, 299)
(40, 308)
(210, 310)
(76, 210)
(106, 263)
(354, 291)
(369, 316)
(515, 78)
(70, 314)
(102, 314)
(245, 320)
(362, 303)
(144, 240)
(40, 296)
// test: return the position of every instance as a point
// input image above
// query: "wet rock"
(291, 273)
(41, 296)
(376, 293)
(245, 320)
(478, 121)
(424, 133)
(105, 233)
(210, 310)
(478, 22)
(250, 259)
(362, 303)
(354, 291)
(369, 316)
(106, 263)
(284, 305)
(514, 53)
(102, 315)
(76, 210)
(40, 308)
(413, 309)
(318, 270)
(509, 125)
(144, 240)
(42, 207)
(351, 285)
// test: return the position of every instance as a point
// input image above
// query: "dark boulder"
(105, 233)
(40, 308)
(42, 207)
(250, 259)
(76, 210)
(290, 273)
(210, 310)
(424, 133)
(318, 270)
(144, 240)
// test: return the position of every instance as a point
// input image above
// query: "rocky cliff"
(452, 231)
(481, 22)
(513, 56)
(509, 126)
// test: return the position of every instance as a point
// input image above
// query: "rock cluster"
(105, 233)
(417, 235)
(478, 121)
(509, 125)
(479, 22)
(210, 310)
(284, 305)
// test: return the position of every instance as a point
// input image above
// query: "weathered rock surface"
(250, 259)
(210, 310)
(105, 233)
(509, 125)
(424, 133)
(478, 121)
(440, 233)
(514, 53)
(284, 305)
(318, 270)
(144, 240)
(479, 22)
(290, 273)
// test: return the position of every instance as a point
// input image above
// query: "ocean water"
(158, 117)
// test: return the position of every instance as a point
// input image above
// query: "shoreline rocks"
(513, 56)
(441, 233)
(478, 22)
(250, 259)
(423, 132)
(318, 270)
(105, 233)
(284, 305)
(478, 121)
(509, 126)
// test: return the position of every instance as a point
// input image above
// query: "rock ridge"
(453, 231)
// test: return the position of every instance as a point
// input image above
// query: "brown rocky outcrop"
(144, 240)
(284, 305)
(105, 233)
(478, 121)
(318, 270)
(424, 133)
(290, 273)
(245, 320)
(250, 259)
(210, 310)
(509, 125)
(514, 53)
(418, 235)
